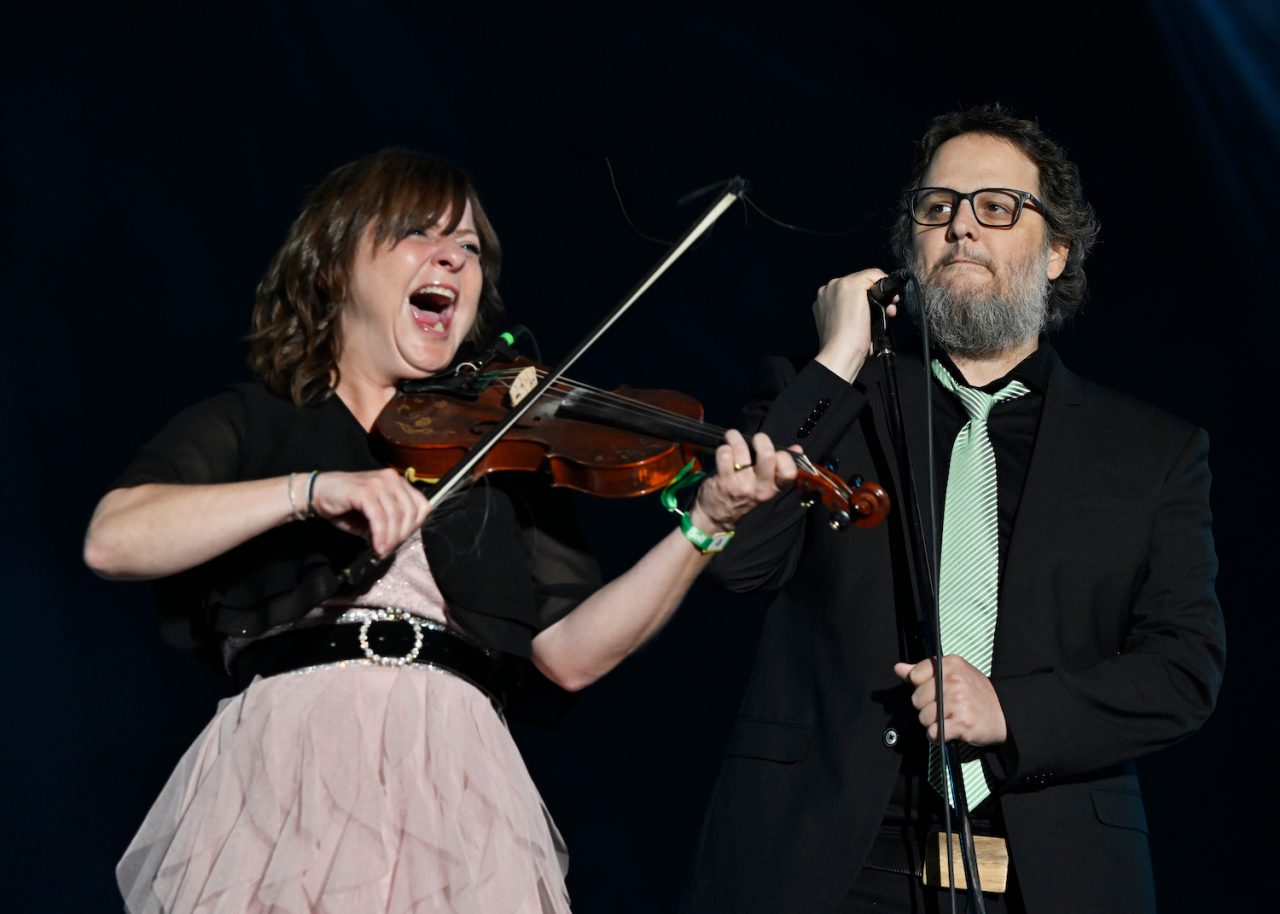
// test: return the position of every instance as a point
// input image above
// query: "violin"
(615, 444)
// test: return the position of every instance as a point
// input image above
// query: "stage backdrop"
(153, 161)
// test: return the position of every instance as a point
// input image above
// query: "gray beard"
(972, 323)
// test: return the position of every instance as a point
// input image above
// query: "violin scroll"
(864, 504)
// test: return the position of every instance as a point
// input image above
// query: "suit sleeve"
(1162, 682)
(812, 407)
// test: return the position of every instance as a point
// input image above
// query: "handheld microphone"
(884, 291)
(879, 297)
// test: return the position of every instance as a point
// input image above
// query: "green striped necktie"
(969, 575)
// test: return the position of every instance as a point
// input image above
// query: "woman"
(365, 766)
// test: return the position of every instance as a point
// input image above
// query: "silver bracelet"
(293, 504)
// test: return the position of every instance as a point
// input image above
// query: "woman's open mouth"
(432, 308)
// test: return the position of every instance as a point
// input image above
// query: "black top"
(506, 553)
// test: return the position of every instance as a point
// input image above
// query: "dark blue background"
(153, 160)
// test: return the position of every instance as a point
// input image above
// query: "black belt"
(402, 640)
(901, 853)
(896, 854)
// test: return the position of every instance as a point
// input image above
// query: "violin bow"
(357, 572)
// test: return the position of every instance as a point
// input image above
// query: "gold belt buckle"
(391, 615)
(993, 862)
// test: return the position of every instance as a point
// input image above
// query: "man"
(1076, 590)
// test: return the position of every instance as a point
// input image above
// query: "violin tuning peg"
(839, 520)
(808, 501)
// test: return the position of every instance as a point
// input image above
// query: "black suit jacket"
(1109, 644)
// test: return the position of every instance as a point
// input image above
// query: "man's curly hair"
(1070, 219)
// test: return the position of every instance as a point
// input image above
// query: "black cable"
(798, 228)
(687, 198)
(746, 200)
(622, 206)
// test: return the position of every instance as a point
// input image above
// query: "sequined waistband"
(369, 637)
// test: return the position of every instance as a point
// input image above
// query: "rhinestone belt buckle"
(391, 615)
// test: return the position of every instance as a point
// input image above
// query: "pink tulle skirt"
(344, 790)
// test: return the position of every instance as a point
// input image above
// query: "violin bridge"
(523, 382)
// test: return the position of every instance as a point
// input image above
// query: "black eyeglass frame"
(1025, 198)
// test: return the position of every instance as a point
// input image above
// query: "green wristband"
(685, 478)
(706, 542)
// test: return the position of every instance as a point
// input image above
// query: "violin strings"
(639, 408)
(627, 405)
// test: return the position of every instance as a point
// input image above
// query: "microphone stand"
(928, 619)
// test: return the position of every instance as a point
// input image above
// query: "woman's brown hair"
(294, 344)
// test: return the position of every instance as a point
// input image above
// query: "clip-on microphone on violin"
(929, 624)
(504, 347)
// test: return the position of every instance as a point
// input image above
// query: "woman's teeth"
(433, 301)
(437, 295)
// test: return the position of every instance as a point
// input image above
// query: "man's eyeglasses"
(994, 207)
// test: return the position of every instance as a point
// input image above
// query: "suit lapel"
(1059, 449)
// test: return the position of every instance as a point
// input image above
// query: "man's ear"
(1058, 251)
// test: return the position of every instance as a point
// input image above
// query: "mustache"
(967, 255)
